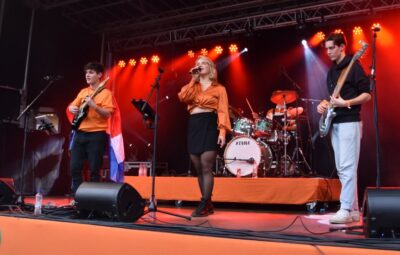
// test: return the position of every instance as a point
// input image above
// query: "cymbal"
(281, 96)
(235, 112)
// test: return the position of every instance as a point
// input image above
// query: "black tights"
(203, 164)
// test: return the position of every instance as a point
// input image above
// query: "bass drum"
(243, 154)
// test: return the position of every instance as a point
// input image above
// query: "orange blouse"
(214, 98)
(94, 121)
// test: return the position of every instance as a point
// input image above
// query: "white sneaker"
(355, 216)
(341, 217)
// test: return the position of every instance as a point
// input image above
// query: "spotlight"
(143, 60)
(376, 27)
(357, 30)
(132, 62)
(204, 52)
(245, 50)
(121, 63)
(304, 42)
(321, 36)
(155, 59)
(190, 54)
(233, 48)
(218, 49)
(338, 31)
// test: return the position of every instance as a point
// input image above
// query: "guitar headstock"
(361, 51)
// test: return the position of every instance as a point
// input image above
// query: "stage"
(274, 223)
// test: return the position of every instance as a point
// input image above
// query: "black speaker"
(382, 212)
(119, 201)
(7, 194)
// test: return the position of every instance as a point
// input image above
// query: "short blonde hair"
(213, 69)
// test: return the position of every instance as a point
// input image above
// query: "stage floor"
(232, 229)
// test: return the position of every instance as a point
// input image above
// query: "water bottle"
(140, 172)
(38, 204)
(239, 173)
(144, 169)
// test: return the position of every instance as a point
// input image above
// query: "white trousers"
(346, 139)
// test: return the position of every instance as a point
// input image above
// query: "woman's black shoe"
(204, 209)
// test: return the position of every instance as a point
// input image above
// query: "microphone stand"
(373, 88)
(23, 114)
(152, 207)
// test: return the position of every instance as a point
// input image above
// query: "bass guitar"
(329, 114)
(83, 109)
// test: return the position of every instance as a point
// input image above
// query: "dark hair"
(99, 68)
(337, 38)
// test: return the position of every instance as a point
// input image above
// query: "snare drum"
(244, 154)
(263, 127)
(243, 126)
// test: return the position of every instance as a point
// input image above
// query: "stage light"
(218, 49)
(357, 30)
(132, 62)
(245, 50)
(190, 54)
(155, 59)
(121, 63)
(304, 42)
(321, 36)
(376, 27)
(143, 60)
(204, 52)
(338, 31)
(233, 48)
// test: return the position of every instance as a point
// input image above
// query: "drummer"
(277, 113)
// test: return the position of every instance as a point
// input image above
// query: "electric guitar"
(83, 109)
(329, 114)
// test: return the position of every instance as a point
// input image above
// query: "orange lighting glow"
(218, 49)
(190, 54)
(132, 62)
(204, 52)
(317, 38)
(121, 63)
(357, 30)
(376, 27)
(155, 59)
(143, 60)
(233, 48)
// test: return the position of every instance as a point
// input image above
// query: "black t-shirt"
(356, 83)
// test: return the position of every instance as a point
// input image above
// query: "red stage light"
(321, 36)
(204, 52)
(218, 49)
(190, 54)
(132, 62)
(121, 63)
(233, 48)
(143, 60)
(357, 30)
(155, 59)
(338, 31)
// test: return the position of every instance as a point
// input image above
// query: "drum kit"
(260, 145)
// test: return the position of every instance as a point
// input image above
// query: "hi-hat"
(284, 96)
(294, 112)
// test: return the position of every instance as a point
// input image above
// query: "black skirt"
(202, 133)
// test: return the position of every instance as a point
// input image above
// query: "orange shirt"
(94, 121)
(214, 98)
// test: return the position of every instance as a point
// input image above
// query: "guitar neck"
(97, 91)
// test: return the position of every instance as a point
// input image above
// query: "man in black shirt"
(346, 126)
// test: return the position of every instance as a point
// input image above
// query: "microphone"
(195, 70)
(52, 77)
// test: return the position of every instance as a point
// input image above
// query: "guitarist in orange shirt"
(91, 108)
(346, 125)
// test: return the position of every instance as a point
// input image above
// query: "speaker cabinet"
(382, 212)
(7, 193)
(118, 201)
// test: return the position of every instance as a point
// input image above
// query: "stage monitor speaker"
(7, 194)
(381, 212)
(118, 201)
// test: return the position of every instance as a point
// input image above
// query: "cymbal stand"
(285, 138)
(298, 149)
